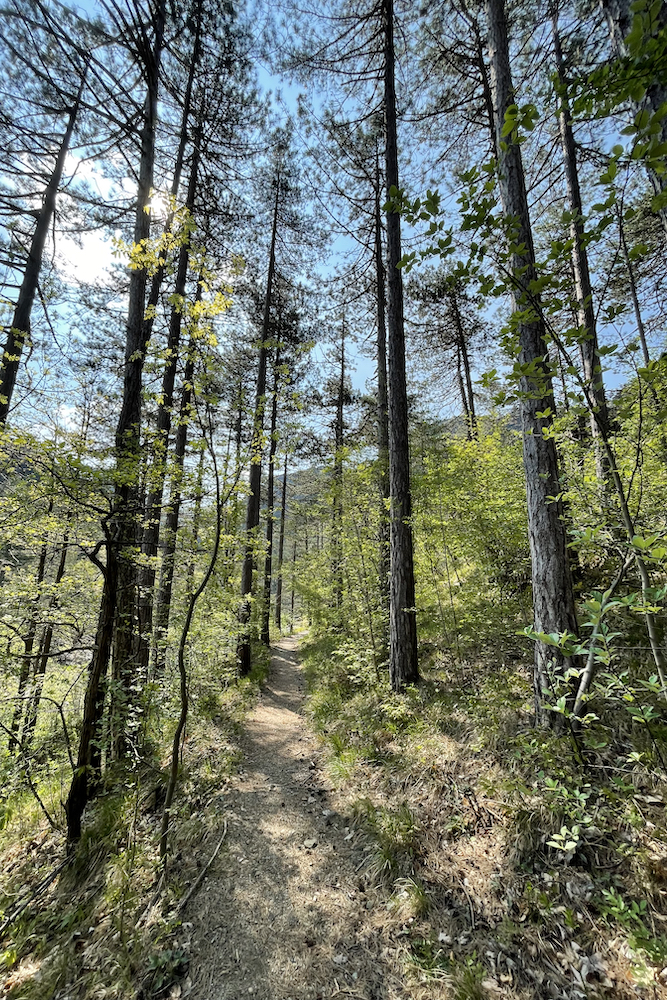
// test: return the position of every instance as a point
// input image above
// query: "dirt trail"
(285, 911)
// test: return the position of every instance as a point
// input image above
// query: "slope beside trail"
(284, 911)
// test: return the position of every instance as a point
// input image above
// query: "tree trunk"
(29, 642)
(480, 63)
(128, 430)
(588, 342)
(196, 525)
(163, 599)
(268, 559)
(553, 600)
(252, 511)
(19, 330)
(291, 623)
(641, 329)
(463, 394)
(93, 706)
(151, 531)
(281, 548)
(337, 507)
(403, 668)
(384, 544)
(44, 651)
(176, 748)
(463, 351)
(157, 475)
(158, 277)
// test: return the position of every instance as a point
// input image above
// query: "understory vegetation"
(512, 861)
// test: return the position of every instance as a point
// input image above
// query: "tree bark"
(291, 623)
(158, 277)
(463, 352)
(164, 594)
(337, 506)
(19, 331)
(384, 541)
(486, 84)
(588, 343)
(553, 599)
(403, 668)
(641, 329)
(128, 430)
(268, 559)
(183, 676)
(281, 548)
(462, 392)
(151, 534)
(253, 507)
(41, 664)
(78, 795)
(29, 642)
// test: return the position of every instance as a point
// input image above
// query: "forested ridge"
(333, 466)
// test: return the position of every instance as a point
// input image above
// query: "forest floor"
(286, 911)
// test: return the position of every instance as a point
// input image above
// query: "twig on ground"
(44, 884)
(470, 904)
(151, 903)
(200, 878)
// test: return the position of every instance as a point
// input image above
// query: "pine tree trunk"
(196, 527)
(270, 514)
(641, 329)
(234, 508)
(480, 63)
(93, 705)
(253, 508)
(164, 594)
(463, 394)
(128, 430)
(158, 472)
(553, 600)
(158, 277)
(29, 642)
(44, 652)
(384, 543)
(337, 506)
(590, 356)
(281, 548)
(462, 345)
(19, 331)
(291, 624)
(403, 668)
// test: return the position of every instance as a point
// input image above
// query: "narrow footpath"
(286, 911)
